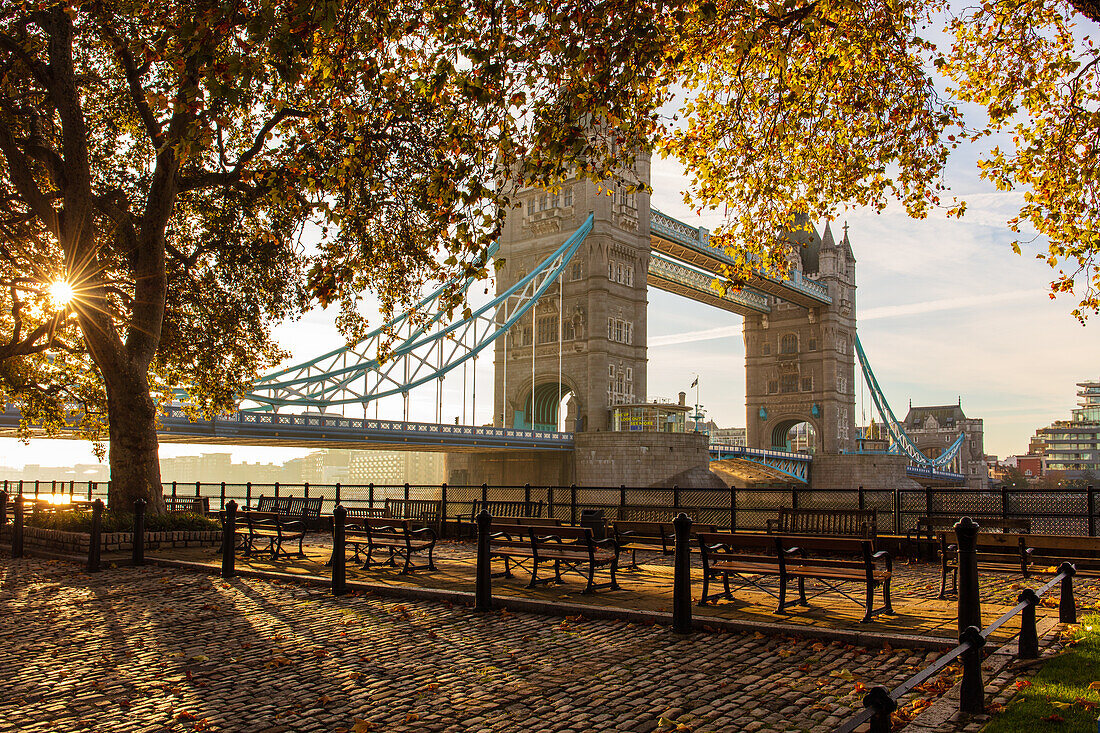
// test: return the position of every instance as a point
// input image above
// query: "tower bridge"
(567, 331)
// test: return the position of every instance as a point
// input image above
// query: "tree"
(812, 105)
(195, 172)
(1014, 478)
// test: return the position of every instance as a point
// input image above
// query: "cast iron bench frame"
(569, 548)
(653, 536)
(998, 552)
(859, 523)
(274, 527)
(397, 536)
(928, 528)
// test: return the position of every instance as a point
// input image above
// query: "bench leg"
(300, 540)
(870, 603)
(887, 607)
(591, 587)
(782, 594)
(614, 566)
(726, 587)
(802, 592)
(407, 567)
(706, 587)
(431, 557)
(557, 571)
(534, 573)
(943, 583)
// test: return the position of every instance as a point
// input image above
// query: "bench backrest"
(1020, 525)
(387, 525)
(742, 541)
(527, 521)
(363, 512)
(658, 529)
(418, 510)
(196, 504)
(291, 505)
(831, 522)
(654, 513)
(508, 508)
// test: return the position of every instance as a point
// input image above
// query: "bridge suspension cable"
(900, 441)
(424, 351)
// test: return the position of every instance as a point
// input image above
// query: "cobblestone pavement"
(155, 649)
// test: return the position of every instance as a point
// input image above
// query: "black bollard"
(483, 589)
(970, 605)
(972, 690)
(1028, 647)
(229, 539)
(139, 532)
(17, 529)
(878, 699)
(1067, 606)
(95, 542)
(681, 579)
(339, 560)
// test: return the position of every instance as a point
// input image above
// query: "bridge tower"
(799, 362)
(602, 316)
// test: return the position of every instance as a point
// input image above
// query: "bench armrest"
(424, 530)
(607, 542)
(884, 555)
(772, 523)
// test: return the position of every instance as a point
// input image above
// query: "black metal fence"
(1072, 511)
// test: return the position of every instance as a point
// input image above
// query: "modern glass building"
(1072, 447)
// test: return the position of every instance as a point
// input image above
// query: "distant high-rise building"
(1071, 448)
(396, 467)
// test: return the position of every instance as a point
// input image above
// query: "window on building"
(773, 387)
(577, 272)
(766, 348)
(788, 383)
(555, 201)
(788, 344)
(567, 332)
(544, 202)
(842, 343)
(842, 385)
(620, 331)
(548, 329)
(807, 384)
(567, 199)
(811, 345)
(531, 206)
(620, 272)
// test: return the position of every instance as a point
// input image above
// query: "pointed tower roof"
(846, 245)
(802, 234)
(827, 238)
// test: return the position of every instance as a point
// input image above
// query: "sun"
(61, 293)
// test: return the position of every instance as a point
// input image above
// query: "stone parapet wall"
(850, 471)
(79, 542)
(643, 459)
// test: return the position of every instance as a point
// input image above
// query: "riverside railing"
(1065, 511)
(880, 703)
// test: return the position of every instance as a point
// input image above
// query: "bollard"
(3, 507)
(483, 589)
(339, 560)
(95, 542)
(878, 699)
(17, 529)
(1067, 607)
(681, 579)
(229, 540)
(1028, 646)
(970, 608)
(972, 690)
(139, 532)
(221, 497)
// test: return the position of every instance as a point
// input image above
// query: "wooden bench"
(924, 540)
(571, 549)
(304, 507)
(398, 537)
(421, 512)
(196, 504)
(1050, 550)
(654, 536)
(748, 558)
(654, 513)
(500, 510)
(273, 527)
(825, 523)
(996, 552)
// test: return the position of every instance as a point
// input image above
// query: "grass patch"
(122, 522)
(1058, 697)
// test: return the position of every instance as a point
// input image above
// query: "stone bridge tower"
(800, 363)
(602, 310)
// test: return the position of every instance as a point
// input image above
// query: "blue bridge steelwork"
(766, 464)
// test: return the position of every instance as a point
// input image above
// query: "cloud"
(943, 304)
(688, 337)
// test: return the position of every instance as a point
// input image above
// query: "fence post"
(1067, 607)
(676, 496)
(878, 699)
(72, 489)
(221, 499)
(681, 578)
(733, 508)
(337, 492)
(4, 506)
(483, 588)
(407, 512)
(247, 493)
(138, 549)
(970, 609)
(1004, 501)
(1092, 510)
(339, 560)
(928, 501)
(526, 499)
(622, 495)
(95, 541)
(89, 489)
(36, 488)
(276, 489)
(229, 539)
(173, 489)
(305, 489)
(370, 495)
(897, 511)
(484, 494)
(198, 489)
(861, 502)
(972, 690)
(573, 504)
(1028, 647)
(17, 529)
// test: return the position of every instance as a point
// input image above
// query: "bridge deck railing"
(1066, 511)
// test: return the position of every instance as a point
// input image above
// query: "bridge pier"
(849, 470)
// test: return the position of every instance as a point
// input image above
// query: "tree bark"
(134, 457)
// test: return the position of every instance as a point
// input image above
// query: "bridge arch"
(540, 409)
(805, 440)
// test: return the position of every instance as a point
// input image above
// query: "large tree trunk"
(134, 458)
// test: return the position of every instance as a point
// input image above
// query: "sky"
(946, 311)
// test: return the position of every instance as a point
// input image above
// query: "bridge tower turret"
(800, 363)
(602, 315)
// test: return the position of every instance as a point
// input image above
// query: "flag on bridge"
(696, 382)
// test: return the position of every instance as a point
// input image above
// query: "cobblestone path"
(152, 649)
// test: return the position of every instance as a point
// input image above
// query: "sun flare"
(61, 293)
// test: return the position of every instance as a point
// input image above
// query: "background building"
(933, 430)
(1070, 449)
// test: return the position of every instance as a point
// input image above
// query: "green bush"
(81, 521)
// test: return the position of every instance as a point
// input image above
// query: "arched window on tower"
(788, 344)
